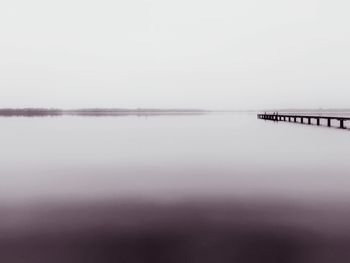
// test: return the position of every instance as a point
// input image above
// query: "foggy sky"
(221, 54)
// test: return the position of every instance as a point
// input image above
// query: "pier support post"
(329, 122)
(318, 121)
(309, 120)
(289, 119)
(341, 122)
(301, 120)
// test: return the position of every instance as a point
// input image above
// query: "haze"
(219, 54)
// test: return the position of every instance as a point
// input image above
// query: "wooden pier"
(331, 121)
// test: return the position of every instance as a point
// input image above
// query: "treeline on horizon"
(28, 112)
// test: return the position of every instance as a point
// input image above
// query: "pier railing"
(306, 119)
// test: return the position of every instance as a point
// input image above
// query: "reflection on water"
(172, 189)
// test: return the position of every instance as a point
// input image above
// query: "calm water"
(216, 188)
(170, 157)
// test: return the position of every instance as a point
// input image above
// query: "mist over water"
(195, 188)
(166, 157)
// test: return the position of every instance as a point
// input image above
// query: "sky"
(222, 54)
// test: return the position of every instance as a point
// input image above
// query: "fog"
(185, 54)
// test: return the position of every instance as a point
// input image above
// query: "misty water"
(170, 157)
(180, 188)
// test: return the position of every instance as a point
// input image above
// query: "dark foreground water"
(201, 188)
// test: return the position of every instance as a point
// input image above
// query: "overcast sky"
(218, 54)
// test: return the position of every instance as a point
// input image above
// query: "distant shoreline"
(37, 112)
(52, 112)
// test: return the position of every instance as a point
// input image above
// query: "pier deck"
(307, 119)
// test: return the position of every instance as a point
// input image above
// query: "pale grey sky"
(186, 53)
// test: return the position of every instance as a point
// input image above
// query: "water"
(170, 157)
(191, 188)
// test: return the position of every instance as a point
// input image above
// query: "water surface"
(195, 188)
(165, 157)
